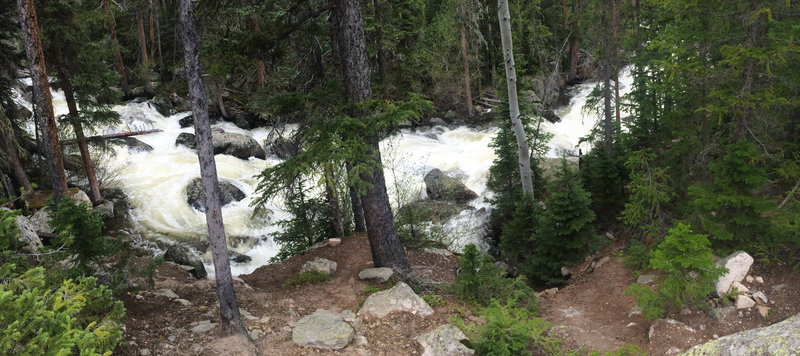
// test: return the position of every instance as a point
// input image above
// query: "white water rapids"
(155, 181)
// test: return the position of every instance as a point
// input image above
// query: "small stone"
(566, 271)
(741, 315)
(144, 352)
(764, 311)
(721, 313)
(738, 265)
(203, 326)
(759, 280)
(703, 327)
(673, 351)
(172, 338)
(569, 312)
(183, 302)
(319, 265)
(778, 287)
(686, 311)
(740, 288)
(630, 324)
(715, 336)
(749, 279)
(380, 274)
(744, 302)
(401, 298)
(601, 262)
(609, 235)
(760, 297)
(334, 242)
(256, 334)
(444, 341)
(636, 310)
(645, 279)
(360, 340)
(167, 293)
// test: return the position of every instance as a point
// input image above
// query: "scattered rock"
(749, 279)
(738, 264)
(740, 288)
(601, 262)
(136, 145)
(609, 236)
(203, 326)
(444, 341)
(760, 297)
(237, 145)
(319, 265)
(450, 114)
(661, 327)
(547, 292)
(162, 105)
(186, 139)
(636, 310)
(721, 313)
(334, 242)
(440, 186)
(673, 351)
(184, 302)
(167, 293)
(256, 334)
(437, 121)
(646, 279)
(380, 274)
(569, 312)
(764, 311)
(400, 298)
(781, 338)
(778, 287)
(744, 302)
(144, 352)
(239, 257)
(195, 198)
(184, 256)
(106, 209)
(324, 330)
(759, 280)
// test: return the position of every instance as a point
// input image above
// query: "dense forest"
(701, 157)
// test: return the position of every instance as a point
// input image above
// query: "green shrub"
(308, 277)
(60, 319)
(481, 281)
(80, 229)
(637, 256)
(8, 230)
(310, 223)
(649, 191)
(627, 350)
(687, 273)
(508, 330)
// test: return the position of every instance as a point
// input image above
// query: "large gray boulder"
(444, 341)
(228, 143)
(440, 186)
(194, 194)
(41, 221)
(777, 339)
(431, 210)
(379, 274)
(185, 257)
(323, 330)
(738, 264)
(319, 265)
(401, 298)
(27, 234)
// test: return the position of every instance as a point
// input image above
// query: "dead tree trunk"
(69, 95)
(42, 98)
(504, 17)
(231, 320)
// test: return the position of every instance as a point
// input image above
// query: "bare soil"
(590, 313)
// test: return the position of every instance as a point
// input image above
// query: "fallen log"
(126, 134)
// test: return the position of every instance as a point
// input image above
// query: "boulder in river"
(431, 210)
(187, 121)
(237, 145)
(135, 145)
(163, 105)
(440, 186)
(184, 256)
(194, 194)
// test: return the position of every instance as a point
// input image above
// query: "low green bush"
(481, 281)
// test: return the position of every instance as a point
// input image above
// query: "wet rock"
(284, 148)
(444, 341)
(738, 264)
(134, 145)
(436, 121)
(239, 257)
(380, 274)
(744, 302)
(194, 194)
(401, 298)
(323, 330)
(186, 139)
(242, 121)
(163, 105)
(187, 121)
(440, 186)
(319, 265)
(721, 313)
(430, 210)
(457, 123)
(183, 256)
(781, 338)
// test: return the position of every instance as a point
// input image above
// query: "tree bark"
(117, 55)
(358, 209)
(333, 201)
(9, 145)
(381, 232)
(42, 98)
(504, 17)
(615, 61)
(231, 320)
(607, 64)
(262, 74)
(382, 71)
(69, 95)
(466, 57)
(573, 64)
(220, 102)
(142, 40)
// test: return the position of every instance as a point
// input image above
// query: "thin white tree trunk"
(511, 79)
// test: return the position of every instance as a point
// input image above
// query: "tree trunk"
(231, 320)
(381, 232)
(142, 40)
(220, 102)
(607, 64)
(466, 57)
(69, 95)
(262, 76)
(573, 64)
(157, 14)
(9, 145)
(755, 32)
(333, 200)
(117, 55)
(382, 71)
(504, 17)
(42, 98)
(614, 25)
(152, 30)
(355, 203)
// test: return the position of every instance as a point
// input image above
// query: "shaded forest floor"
(591, 313)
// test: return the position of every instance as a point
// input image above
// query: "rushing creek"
(155, 181)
